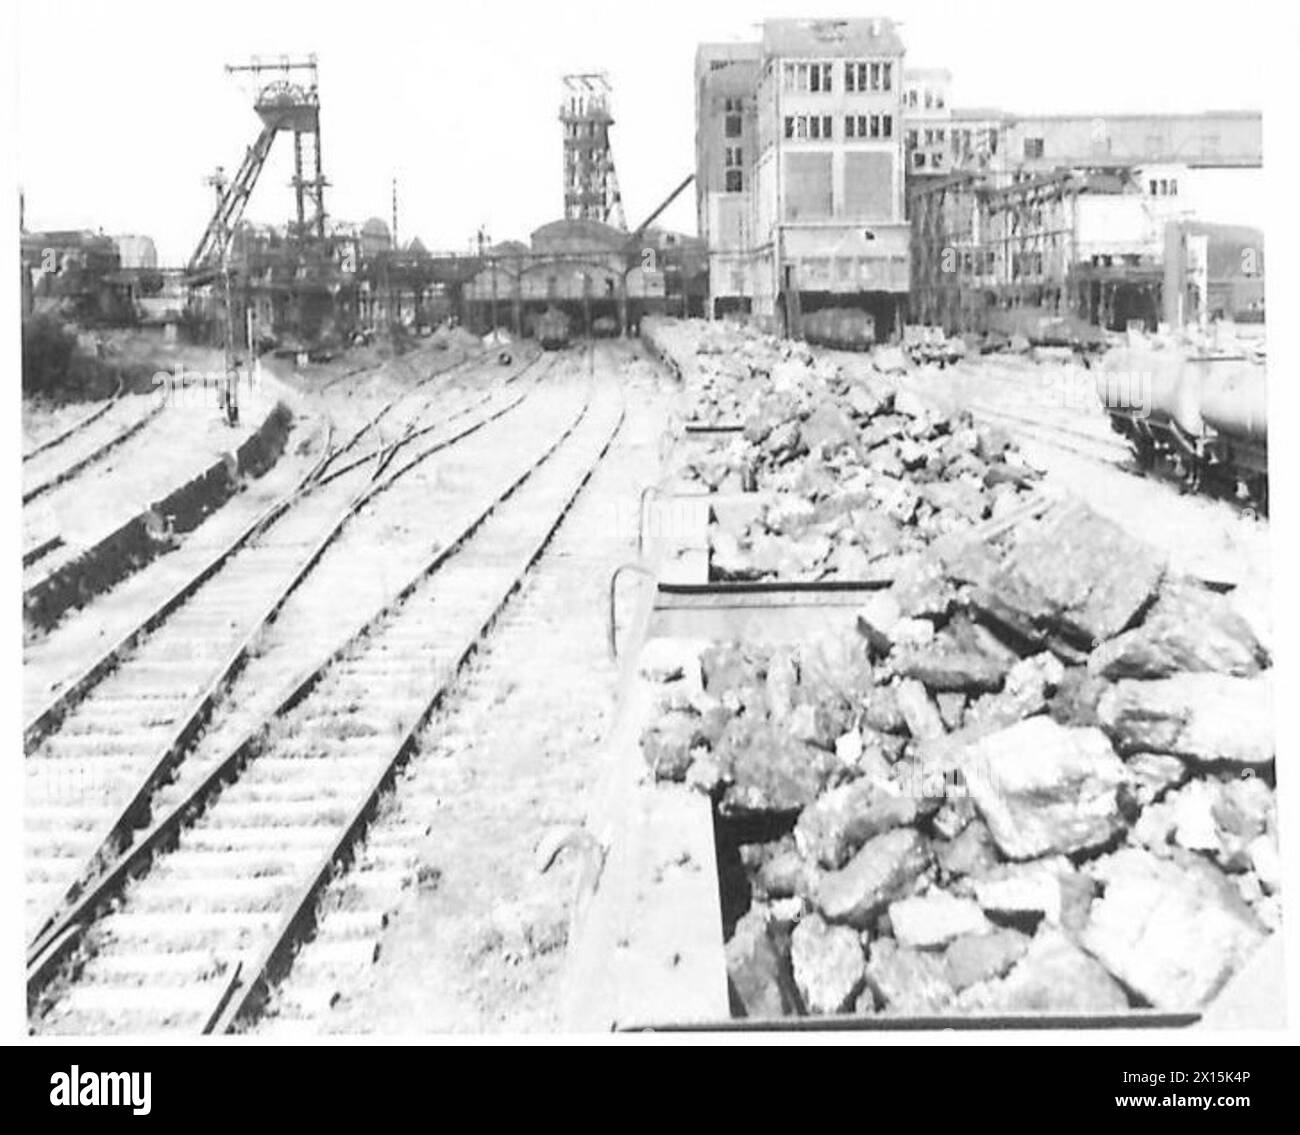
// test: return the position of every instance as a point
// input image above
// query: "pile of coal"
(930, 345)
(721, 365)
(1034, 777)
(857, 478)
(854, 474)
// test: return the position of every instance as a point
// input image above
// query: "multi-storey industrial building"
(827, 174)
(817, 218)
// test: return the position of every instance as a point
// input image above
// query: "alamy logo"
(101, 1089)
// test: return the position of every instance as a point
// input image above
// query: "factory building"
(820, 220)
(1109, 246)
(1071, 214)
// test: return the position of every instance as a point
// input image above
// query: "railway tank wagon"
(1205, 415)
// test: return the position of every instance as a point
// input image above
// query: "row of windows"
(819, 77)
(1164, 187)
(821, 126)
(808, 126)
(931, 99)
(867, 76)
(733, 156)
(868, 126)
(930, 136)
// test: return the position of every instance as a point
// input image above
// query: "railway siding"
(484, 561)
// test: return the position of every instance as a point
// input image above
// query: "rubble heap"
(841, 471)
(1033, 777)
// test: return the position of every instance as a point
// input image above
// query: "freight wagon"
(1204, 415)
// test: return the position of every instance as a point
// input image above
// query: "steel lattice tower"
(284, 103)
(590, 181)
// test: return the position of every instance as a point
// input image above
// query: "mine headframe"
(287, 100)
(590, 181)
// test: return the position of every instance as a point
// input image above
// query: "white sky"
(124, 107)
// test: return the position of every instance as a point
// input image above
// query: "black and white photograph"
(687, 524)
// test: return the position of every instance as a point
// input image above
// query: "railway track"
(44, 470)
(150, 695)
(1079, 442)
(77, 426)
(269, 804)
(38, 560)
(485, 775)
(408, 412)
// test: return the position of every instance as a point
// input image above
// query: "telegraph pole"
(230, 387)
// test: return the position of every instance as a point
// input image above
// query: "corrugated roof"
(831, 37)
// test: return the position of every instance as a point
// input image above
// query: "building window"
(734, 105)
(1173, 187)
(849, 120)
(911, 96)
(860, 77)
(805, 126)
(918, 159)
(1033, 148)
(807, 77)
(735, 181)
(910, 139)
(886, 125)
(731, 128)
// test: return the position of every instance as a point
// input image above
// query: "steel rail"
(194, 719)
(70, 471)
(60, 936)
(78, 425)
(250, 983)
(48, 718)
